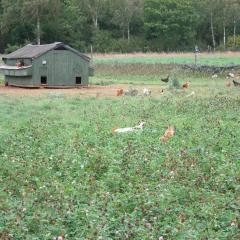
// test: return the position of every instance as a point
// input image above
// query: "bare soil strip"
(91, 91)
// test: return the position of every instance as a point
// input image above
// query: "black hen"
(236, 84)
(165, 79)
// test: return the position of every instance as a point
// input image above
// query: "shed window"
(78, 80)
(43, 80)
(20, 63)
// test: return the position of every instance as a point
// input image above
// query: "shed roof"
(35, 51)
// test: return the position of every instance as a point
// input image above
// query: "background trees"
(121, 25)
(171, 23)
(124, 12)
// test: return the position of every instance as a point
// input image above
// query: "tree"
(13, 30)
(224, 18)
(224, 13)
(94, 9)
(34, 9)
(234, 9)
(77, 30)
(208, 11)
(1, 34)
(124, 11)
(170, 22)
(120, 25)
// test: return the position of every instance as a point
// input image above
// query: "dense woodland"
(122, 25)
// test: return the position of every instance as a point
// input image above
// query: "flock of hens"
(170, 131)
(146, 92)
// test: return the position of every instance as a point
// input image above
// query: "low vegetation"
(63, 171)
(1, 79)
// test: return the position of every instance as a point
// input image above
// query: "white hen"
(129, 129)
(146, 92)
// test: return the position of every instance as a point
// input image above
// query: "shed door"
(60, 68)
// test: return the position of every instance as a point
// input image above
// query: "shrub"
(102, 41)
(230, 42)
(12, 48)
(175, 82)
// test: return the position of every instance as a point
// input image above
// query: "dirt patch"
(91, 91)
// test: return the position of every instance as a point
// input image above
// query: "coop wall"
(61, 68)
(20, 81)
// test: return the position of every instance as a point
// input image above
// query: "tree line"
(122, 25)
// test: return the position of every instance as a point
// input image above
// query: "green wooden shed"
(53, 65)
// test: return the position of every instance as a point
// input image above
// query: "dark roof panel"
(35, 51)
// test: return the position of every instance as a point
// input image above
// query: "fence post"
(196, 54)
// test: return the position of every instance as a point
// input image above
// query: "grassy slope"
(62, 170)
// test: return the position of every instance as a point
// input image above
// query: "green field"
(203, 59)
(63, 171)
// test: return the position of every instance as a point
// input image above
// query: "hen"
(119, 92)
(228, 84)
(236, 84)
(129, 129)
(186, 85)
(168, 134)
(165, 79)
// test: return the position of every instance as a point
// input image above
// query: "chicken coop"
(53, 65)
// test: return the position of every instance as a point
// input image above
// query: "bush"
(175, 82)
(104, 42)
(230, 42)
(12, 48)
(1, 80)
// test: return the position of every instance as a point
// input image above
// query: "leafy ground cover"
(63, 171)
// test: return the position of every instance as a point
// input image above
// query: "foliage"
(115, 25)
(171, 22)
(11, 48)
(124, 12)
(103, 41)
(231, 44)
(174, 83)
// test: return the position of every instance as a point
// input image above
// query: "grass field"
(220, 59)
(63, 171)
(145, 74)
